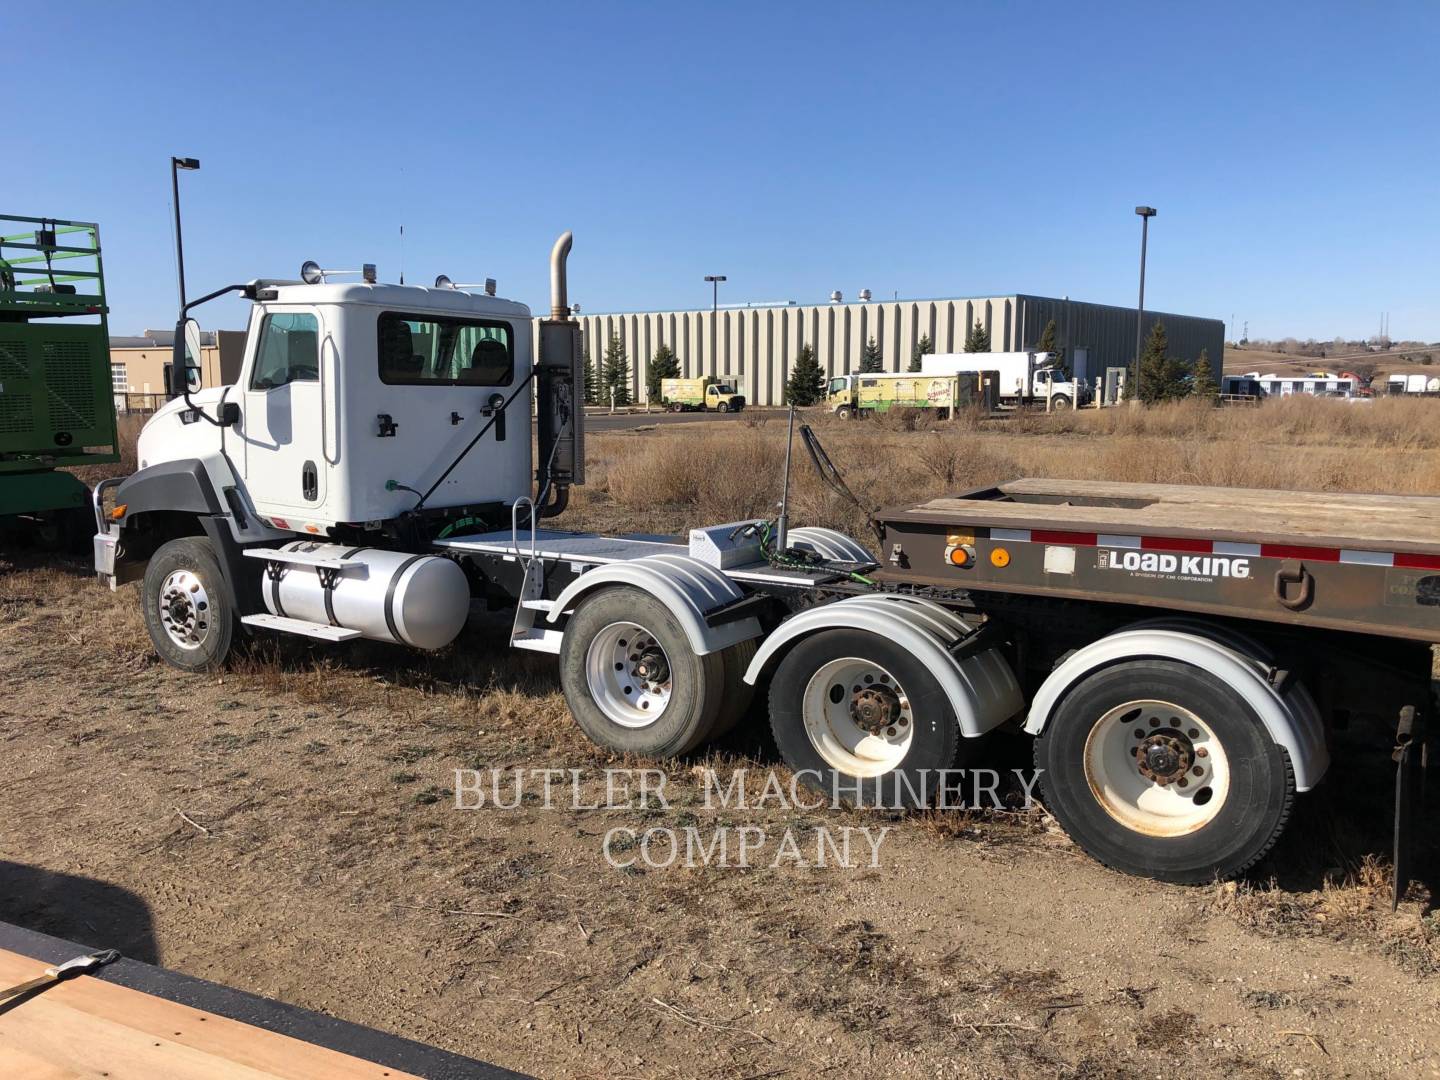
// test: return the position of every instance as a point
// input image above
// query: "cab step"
(323, 631)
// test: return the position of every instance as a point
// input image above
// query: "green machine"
(57, 405)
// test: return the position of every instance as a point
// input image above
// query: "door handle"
(497, 403)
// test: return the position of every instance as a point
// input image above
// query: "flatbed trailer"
(1180, 655)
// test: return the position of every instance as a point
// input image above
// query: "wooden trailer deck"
(133, 1021)
(1363, 563)
(1409, 523)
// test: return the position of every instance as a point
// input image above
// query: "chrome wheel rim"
(1157, 768)
(858, 717)
(628, 674)
(184, 609)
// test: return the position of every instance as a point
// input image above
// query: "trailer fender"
(1291, 718)
(981, 687)
(687, 587)
(829, 544)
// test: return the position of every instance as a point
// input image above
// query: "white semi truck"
(1024, 376)
(370, 475)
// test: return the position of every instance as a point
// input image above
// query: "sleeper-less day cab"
(370, 475)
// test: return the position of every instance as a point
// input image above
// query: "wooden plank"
(88, 1027)
(1333, 519)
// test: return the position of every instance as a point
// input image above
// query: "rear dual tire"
(634, 683)
(1238, 784)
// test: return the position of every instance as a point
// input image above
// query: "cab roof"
(404, 298)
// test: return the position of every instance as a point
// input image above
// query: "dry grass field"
(288, 826)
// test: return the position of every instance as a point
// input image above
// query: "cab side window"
(289, 351)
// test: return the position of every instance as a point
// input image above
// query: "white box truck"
(1014, 368)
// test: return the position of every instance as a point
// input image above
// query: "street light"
(176, 164)
(714, 280)
(1146, 213)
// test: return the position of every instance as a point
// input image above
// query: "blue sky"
(1293, 150)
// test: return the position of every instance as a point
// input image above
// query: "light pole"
(1146, 213)
(176, 164)
(714, 280)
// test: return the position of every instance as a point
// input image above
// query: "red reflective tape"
(1174, 543)
(1417, 562)
(1295, 551)
(1048, 536)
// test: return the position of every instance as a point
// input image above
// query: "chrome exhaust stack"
(560, 393)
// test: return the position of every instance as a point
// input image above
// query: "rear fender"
(981, 687)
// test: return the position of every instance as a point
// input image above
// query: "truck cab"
(352, 397)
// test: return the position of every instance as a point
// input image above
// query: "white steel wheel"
(857, 717)
(1157, 768)
(628, 674)
(183, 608)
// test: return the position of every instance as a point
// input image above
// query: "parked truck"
(1178, 654)
(1024, 377)
(57, 409)
(860, 394)
(705, 395)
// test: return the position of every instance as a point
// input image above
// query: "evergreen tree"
(1203, 384)
(806, 384)
(592, 382)
(923, 347)
(1162, 377)
(871, 359)
(615, 374)
(1048, 345)
(978, 339)
(665, 365)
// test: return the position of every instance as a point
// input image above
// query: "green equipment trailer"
(57, 405)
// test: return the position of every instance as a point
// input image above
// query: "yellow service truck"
(707, 395)
(860, 394)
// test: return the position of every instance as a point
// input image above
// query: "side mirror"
(185, 355)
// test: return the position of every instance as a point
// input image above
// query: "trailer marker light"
(1000, 557)
(961, 555)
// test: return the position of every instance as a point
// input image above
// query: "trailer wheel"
(632, 680)
(1158, 769)
(857, 717)
(186, 610)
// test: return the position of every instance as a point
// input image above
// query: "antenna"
(402, 254)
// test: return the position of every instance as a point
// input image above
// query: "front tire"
(723, 407)
(631, 679)
(187, 611)
(844, 412)
(1059, 402)
(858, 717)
(1158, 769)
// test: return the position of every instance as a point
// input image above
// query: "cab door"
(281, 421)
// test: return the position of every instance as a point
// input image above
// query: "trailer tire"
(738, 693)
(601, 675)
(186, 605)
(908, 726)
(1121, 720)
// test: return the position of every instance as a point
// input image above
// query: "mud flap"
(1412, 754)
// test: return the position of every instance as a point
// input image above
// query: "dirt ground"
(290, 828)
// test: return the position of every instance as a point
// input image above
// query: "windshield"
(724, 388)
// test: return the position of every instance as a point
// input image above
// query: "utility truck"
(1179, 654)
(1023, 376)
(708, 395)
(861, 394)
(57, 408)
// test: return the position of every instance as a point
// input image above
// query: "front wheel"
(844, 412)
(724, 406)
(1159, 769)
(1059, 402)
(187, 612)
(860, 719)
(631, 679)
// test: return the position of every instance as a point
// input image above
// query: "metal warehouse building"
(757, 345)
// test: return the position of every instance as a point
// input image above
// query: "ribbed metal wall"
(758, 345)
